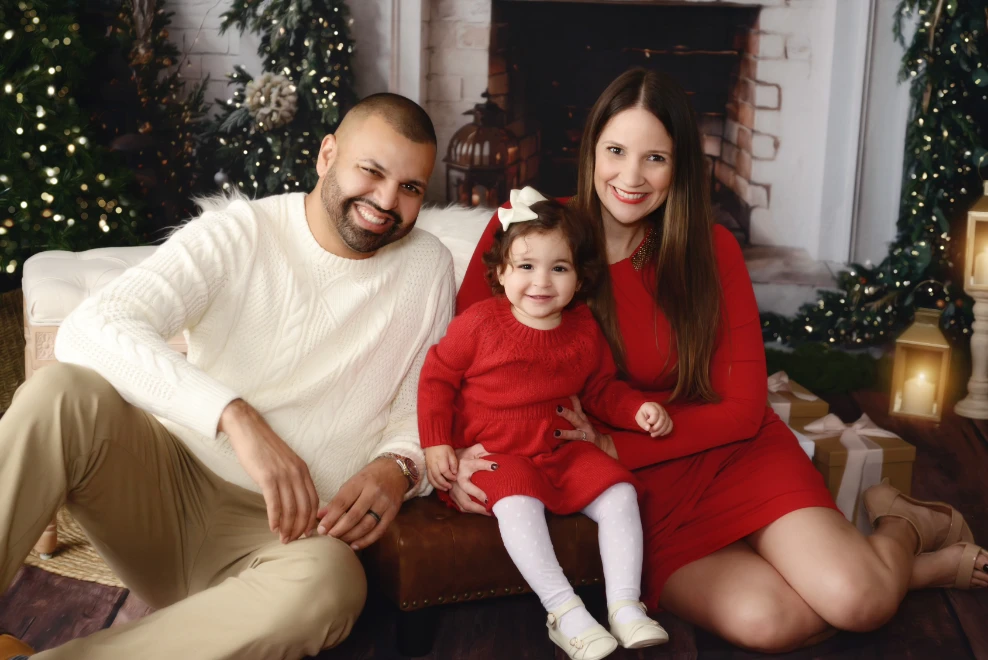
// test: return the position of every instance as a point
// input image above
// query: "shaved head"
(373, 174)
(405, 116)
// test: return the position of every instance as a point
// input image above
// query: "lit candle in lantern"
(981, 267)
(917, 396)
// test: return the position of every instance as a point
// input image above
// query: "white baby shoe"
(635, 634)
(592, 644)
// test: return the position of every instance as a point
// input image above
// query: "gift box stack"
(851, 457)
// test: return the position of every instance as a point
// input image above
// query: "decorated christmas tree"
(946, 64)
(59, 189)
(146, 112)
(266, 137)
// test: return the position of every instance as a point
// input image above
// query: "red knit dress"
(496, 381)
(728, 468)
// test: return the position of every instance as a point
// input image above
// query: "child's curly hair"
(585, 245)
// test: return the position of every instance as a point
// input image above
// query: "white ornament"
(271, 100)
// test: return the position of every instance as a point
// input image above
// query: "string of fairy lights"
(309, 52)
(945, 140)
(167, 112)
(55, 188)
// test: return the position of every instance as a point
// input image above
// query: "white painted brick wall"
(195, 30)
(771, 46)
(459, 39)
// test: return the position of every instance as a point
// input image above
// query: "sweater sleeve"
(474, 286)
(608, 399)
(442, 377)
(401, 435)
(121, 332)
(737, 373)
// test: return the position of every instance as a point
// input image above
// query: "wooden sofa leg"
(417, 631)
(48, 541)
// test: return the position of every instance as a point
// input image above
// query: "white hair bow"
(520, 211)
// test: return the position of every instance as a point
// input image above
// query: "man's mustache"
(363, 200)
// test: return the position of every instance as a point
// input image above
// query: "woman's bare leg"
(739, 596)
(853, 582)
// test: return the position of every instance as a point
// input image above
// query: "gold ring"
(373, 515)
(584, 435)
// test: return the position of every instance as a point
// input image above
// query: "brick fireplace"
(547, 80)
(761, 74)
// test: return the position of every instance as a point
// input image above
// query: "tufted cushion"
(55, 282)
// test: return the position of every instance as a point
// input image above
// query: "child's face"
(539, 279)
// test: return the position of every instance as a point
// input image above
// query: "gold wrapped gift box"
(795, 404)
(830, 457)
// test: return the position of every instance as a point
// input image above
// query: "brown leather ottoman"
(432, 555)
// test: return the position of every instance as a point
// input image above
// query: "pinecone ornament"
(271, 100)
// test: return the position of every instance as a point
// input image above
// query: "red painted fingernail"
(559, 409)
(555, 434)
(494, 466)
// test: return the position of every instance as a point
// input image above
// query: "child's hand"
(654, 419)
(440, 463)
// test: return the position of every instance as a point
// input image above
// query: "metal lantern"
(975, 404)
(976, 251)
(482, 160)
(919, 376)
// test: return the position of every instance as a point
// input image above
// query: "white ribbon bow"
(864, 461)
(520, 211)
(779, 382)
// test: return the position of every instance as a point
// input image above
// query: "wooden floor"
(951, 464)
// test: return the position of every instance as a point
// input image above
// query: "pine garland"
(307, 49)
(947, 64)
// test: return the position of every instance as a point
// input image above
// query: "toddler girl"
(504, 368)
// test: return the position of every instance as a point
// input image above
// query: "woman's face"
(632, 166)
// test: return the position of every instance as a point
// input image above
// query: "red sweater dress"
(496, 381)
(728, 468)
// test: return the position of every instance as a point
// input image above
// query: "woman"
(742, 536)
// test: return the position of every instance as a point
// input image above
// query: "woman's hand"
(584, 430)
(471, 460)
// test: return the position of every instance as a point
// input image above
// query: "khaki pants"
(187, 542)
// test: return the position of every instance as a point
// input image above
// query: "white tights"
(526, 538)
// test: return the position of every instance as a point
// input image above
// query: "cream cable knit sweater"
(327, 349)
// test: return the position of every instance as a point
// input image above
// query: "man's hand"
(284, 478)
(440, 462)
(379, 488)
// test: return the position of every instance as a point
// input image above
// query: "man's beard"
(340, 208)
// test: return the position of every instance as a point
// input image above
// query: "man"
(308, 317)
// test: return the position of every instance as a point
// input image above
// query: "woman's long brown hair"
(687, 285)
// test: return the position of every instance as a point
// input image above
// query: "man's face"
(373, 181)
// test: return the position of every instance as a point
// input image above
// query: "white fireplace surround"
(835, 179)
